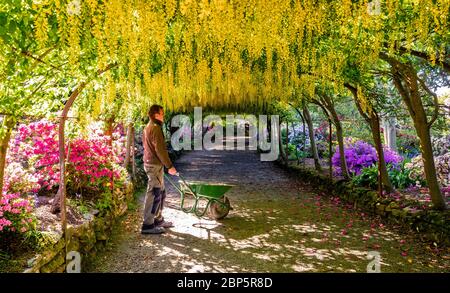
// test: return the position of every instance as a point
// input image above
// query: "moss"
(398, 213)
(74, 244)
(392, 206)
(54, 264)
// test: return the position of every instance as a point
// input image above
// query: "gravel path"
(278, 225)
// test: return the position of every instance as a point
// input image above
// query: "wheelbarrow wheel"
(218, 210)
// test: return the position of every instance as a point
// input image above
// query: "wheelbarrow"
(217, 205)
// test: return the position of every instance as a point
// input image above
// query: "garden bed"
(431, 225)
(86, 233)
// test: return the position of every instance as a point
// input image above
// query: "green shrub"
(368, 177)
(105, 202)
(399, 176)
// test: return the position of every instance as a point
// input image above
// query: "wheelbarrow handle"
(182, 180)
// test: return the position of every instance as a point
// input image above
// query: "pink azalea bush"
(19, 179)
(90, 160)
(33, 167)
(442, 164)
(35, 146)
(91, 164)
(15, 213)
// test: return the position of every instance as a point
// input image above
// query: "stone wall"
(431, 225)
(87, 238)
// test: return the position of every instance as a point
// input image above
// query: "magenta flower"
(33, 158)
(360, 155)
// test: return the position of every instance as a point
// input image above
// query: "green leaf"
(12, 26)
(4, 35)
(3, 19)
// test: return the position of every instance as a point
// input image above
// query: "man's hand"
(172, 171)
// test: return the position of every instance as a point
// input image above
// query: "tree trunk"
(330, 136)
(423, 132)
(428, 162)
(280, 141)
(109, 129)
(127, 160)
(330, 147)
(374, 123)
(59, 202)
(109, 132)
(304, 140)
(340, 138)
(287, 144)
(60, 197)
(312, 138)
(328, 103)
(390, 136)
(128, 146)
(407, 83)
(8, 124)
(375, 127)
(133, 155)
(294, 133)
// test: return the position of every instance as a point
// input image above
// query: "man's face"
(160, 116)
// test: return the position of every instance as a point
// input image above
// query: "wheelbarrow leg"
(191, 209)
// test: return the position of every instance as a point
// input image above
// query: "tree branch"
(42, 56)
(354, 91)
(422, 55)
(435, 100)
(442, 63)
(38, 59)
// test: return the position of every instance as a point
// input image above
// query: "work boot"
(152, 229)
(163, 224)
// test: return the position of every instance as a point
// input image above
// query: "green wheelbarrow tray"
(208, 190)
(217, 206)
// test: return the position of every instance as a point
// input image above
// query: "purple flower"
(360, 155)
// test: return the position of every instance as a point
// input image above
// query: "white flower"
(74, 7)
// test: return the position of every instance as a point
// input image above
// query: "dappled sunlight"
(192, 225)
(96, 97)
(282, 244)
(304, 228)
(302, 267)
(275, 226)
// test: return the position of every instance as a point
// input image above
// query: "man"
(156, 158)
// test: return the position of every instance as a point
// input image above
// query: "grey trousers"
(155, 195)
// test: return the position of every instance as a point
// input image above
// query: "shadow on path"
(278, 225)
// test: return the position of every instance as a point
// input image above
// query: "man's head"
(156, 112)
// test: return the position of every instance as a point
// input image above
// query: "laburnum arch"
(217, 54)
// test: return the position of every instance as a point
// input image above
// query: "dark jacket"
(155, 150)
